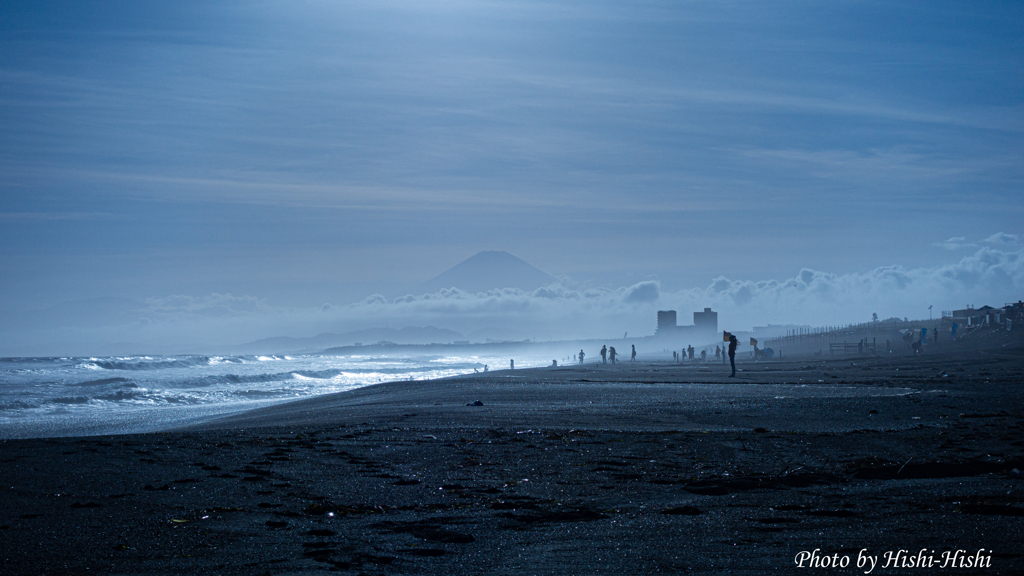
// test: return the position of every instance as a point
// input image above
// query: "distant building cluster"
(971, 317)
(705, 325)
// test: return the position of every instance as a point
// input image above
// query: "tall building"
(705, 326)
(706, 321)
(666, 322)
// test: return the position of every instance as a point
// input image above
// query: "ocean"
(78, 396)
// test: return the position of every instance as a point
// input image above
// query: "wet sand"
(640, 468)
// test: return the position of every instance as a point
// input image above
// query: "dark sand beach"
(642, 468)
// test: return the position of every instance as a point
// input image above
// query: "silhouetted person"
(718, 352)
(632, 357)
(581, 357)
(512, 364)
(690, 350)
(611, 353)
(604, 354)
(703, 355)
(485, 367)
(860, 346)
(732, 354)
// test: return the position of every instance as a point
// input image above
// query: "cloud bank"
(993, 274)
(989, 276)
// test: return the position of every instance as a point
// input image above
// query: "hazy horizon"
(242, 171)
(562, 310)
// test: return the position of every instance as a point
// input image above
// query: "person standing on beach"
(690, 350)
(581, 357)
(611, 353)
(512, 364)
(718, 352)
(732, 354)
(604, 354)
(632, 357)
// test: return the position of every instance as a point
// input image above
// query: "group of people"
(690, 353)
(609, 353)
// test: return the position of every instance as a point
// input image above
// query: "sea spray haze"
(106, 395)
(563, 309)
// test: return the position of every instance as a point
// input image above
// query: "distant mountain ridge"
(407, 335)
(485, 271)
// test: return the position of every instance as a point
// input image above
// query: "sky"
(261, 168)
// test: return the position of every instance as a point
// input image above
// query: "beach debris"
(476, 403)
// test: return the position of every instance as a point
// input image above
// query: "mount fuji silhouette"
(487, 271)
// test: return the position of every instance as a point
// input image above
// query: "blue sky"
(305, 153)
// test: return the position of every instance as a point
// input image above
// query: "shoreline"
(639, 469)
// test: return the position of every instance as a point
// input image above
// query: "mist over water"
(102, 395)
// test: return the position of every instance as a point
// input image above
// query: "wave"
(17, 405)
(105, 381)
(120, 396)
(147, 363)
(71, 400)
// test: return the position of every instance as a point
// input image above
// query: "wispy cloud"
(955, 243)
(1003, 239)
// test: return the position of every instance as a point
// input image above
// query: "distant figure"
(860, 346)
(554, 363)
(604, 354)
(690, 350)
(908, 338)
(485, 367)
(916, 346)
(675, 356)
(581, 357)
(611, 353)
(703, 355)
(718, 352)
(732, 354)
(511, 364)
(632, 357)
